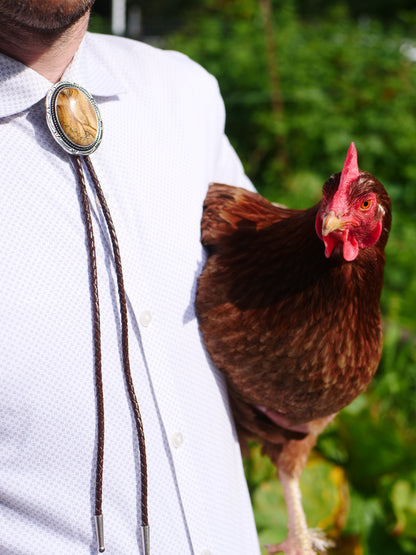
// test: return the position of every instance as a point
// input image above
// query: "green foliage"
(99, 24)
(399, 297)
(341, 80)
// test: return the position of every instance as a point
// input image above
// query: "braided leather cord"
(95, 305)
(125, 342)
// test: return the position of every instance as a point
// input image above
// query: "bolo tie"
(74, 120)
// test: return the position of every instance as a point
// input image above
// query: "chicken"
(288, 307)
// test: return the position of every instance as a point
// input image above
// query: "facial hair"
(43, 16)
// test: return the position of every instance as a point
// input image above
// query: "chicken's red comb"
(350, 171)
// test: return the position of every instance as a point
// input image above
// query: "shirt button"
(145, 318)
(177, 440)
(206, 552)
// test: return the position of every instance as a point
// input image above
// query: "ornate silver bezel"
(55, 127)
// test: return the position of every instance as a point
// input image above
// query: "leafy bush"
(339, 80)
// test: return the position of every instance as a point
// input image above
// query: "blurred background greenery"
(301, 79)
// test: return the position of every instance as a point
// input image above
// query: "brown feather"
(290, 329)
(288, 307)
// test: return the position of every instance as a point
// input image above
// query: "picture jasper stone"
(76, 117)
(73, 118)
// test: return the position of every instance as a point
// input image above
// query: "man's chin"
(46, 17)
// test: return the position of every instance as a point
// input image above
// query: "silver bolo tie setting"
(74, 120)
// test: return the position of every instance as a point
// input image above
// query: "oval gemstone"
(76, 116)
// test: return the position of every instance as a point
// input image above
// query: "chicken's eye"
(366, 204)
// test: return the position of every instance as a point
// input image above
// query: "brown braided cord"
(125, 341)
(96, 333)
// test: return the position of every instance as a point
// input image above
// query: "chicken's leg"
(291, 461)
(300, 540)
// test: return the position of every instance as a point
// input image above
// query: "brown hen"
(288, 306)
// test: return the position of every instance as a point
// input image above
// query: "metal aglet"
(99, 530)
(145, 539)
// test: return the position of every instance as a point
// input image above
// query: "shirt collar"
(21, 87)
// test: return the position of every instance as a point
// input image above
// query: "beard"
(43, 16)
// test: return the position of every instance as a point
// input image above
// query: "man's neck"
(48, 55)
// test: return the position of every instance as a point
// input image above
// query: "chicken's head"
(352, 210)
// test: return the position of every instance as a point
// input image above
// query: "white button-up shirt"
(163, 142)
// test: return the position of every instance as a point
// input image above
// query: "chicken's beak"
(332, 223)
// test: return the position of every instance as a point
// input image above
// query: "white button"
(177, 440)
(145, 318)
(206, 552)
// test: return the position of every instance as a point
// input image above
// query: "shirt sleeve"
(229, 167)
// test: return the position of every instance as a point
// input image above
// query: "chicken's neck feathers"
(287, 258)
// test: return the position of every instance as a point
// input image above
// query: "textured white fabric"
(163, 143)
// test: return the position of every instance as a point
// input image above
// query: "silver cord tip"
(145, 539)
(99, 530)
